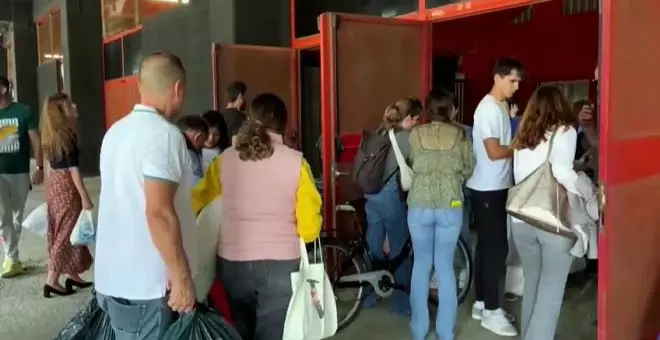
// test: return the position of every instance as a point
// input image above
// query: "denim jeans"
(434, 234)
(386, 215)
(137, 319)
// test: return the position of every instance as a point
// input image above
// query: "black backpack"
(370, 160)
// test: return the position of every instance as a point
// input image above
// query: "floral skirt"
(64, 207)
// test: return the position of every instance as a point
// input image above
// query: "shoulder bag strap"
(397, 152)
(552, 140)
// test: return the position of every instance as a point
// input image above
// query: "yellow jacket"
(308, 199)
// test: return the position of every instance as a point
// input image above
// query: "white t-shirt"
(142, 144)
(491, 120)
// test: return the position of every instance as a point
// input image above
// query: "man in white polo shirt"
(146, 235)
(489, 185)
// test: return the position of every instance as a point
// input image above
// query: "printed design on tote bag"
(315, 298)
(10, 141)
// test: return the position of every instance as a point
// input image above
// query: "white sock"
(479, 305)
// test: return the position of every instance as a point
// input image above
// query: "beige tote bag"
(541, 201)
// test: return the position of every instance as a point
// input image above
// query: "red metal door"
(367, 63)
(629, 278)
(120, 96)
(262, 69)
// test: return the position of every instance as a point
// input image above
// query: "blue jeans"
(434, 234)
(386, 215)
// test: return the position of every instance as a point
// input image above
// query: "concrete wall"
(259, 22)
(190, 30)
(185, 31)
(83, 77)
(25, 49)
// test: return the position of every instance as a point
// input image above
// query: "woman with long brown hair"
(546, 132)
(66, 196)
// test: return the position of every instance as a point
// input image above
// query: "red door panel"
(120, 97)
(367, 63)
(262, 69)
(629, 280)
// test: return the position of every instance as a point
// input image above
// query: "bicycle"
(357, 269)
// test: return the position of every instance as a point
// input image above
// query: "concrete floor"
(24, 314)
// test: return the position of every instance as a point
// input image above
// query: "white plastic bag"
(312, 312)
(37, 220)
(208, 233)
(84, 233)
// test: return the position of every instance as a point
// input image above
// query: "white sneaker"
(497, 322)
(478, 310)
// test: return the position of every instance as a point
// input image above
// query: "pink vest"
(259, 200)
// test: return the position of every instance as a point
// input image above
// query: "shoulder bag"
(541, 201)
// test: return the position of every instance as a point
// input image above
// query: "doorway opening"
(558, 44)
(310, 108)
(556, 41)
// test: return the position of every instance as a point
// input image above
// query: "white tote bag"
(312, 312)
(84, 233)
(208, 233)
(37, 220)
(405, 171)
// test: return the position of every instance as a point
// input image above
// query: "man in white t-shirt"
(146, 228)
(489, 185)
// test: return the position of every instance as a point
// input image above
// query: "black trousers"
(490, 219)
(258, 293)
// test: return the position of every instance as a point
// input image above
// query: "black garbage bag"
(202, 324)
(91, 323)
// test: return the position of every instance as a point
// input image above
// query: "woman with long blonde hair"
(66, 196)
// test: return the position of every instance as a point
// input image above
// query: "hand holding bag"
(541, 201)
(84, 233)
(312, 312)
(405, 171)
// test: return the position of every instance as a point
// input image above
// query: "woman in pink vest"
(269, 201)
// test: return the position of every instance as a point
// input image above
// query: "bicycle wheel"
(349, 300)
(463, 270)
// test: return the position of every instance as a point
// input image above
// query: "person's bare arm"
(496, 151)
(591, 134)
(165, 228)
(80, 187)
(35, 141)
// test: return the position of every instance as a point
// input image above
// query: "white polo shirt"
(491, 120)
(142, 144)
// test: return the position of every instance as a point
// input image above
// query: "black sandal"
(70, 284)
(50, 290)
